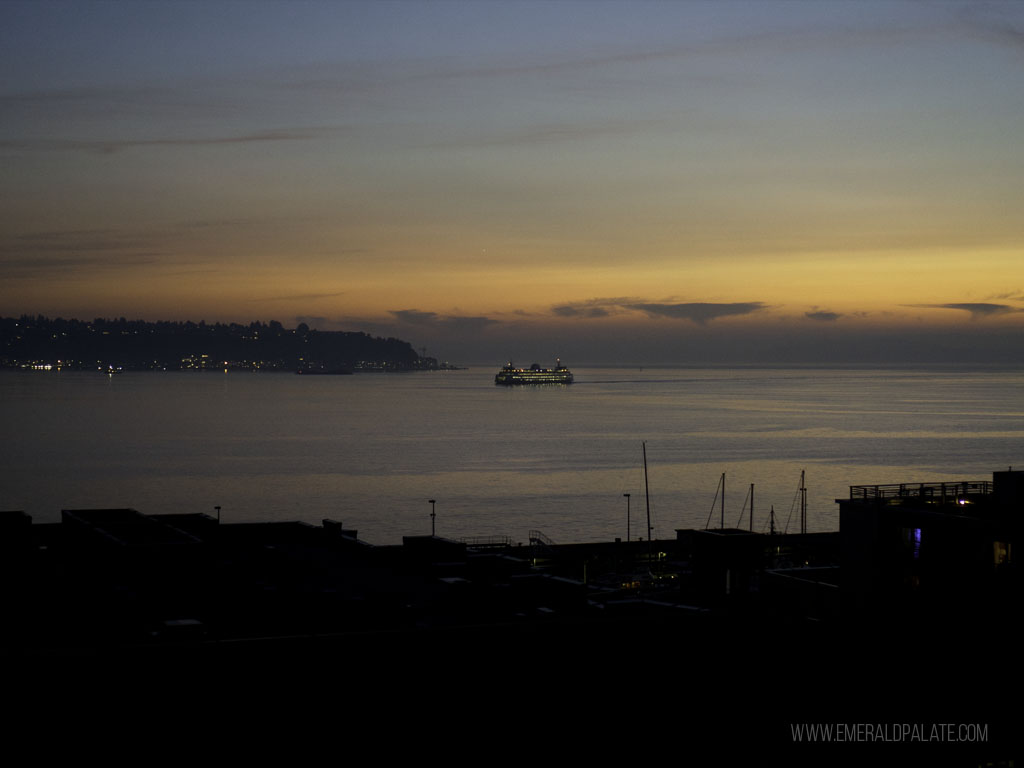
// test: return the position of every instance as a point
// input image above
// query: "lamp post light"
(627, 515)
(432, 515)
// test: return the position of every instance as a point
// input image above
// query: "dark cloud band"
(976, 309)
(699, 312)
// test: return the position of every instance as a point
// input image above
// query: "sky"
(608, 182)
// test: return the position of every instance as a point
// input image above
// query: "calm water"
(371, 449)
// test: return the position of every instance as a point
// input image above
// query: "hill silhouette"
(168, 345)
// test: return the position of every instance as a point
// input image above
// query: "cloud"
(468, 323)
(69, 267)
(551, 132)
(75, 240)
(700, 313)
(414, 316)
(1014, 295)
(976, 309)
(67, 253)
(568, 310)
(597, 307)
(697, 312)
(301, 297)
(71, 253)
(986, 24)
(111, 146)
(824, 317)
(813, 37)
(461, 323)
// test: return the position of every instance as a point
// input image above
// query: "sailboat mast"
(722, 525)
(647, 494)
(803, 503)
(751, 507)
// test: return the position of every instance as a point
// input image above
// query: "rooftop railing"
(487, 542)
(945, 493)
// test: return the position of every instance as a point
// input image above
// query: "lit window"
(1001, 552)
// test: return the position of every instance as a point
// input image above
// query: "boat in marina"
(510, 375)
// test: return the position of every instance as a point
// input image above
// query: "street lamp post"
(627, 515)
(432, 515)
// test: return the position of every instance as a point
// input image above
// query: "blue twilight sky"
(607, 181)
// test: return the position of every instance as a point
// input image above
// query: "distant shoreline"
(112, 346)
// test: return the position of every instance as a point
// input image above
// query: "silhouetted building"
(114, 576)
(933, 551)
(788, 575)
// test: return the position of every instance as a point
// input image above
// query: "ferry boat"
(510, 375)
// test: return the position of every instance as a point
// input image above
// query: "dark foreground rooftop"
(719, 638)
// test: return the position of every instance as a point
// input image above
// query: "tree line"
(170, 345)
